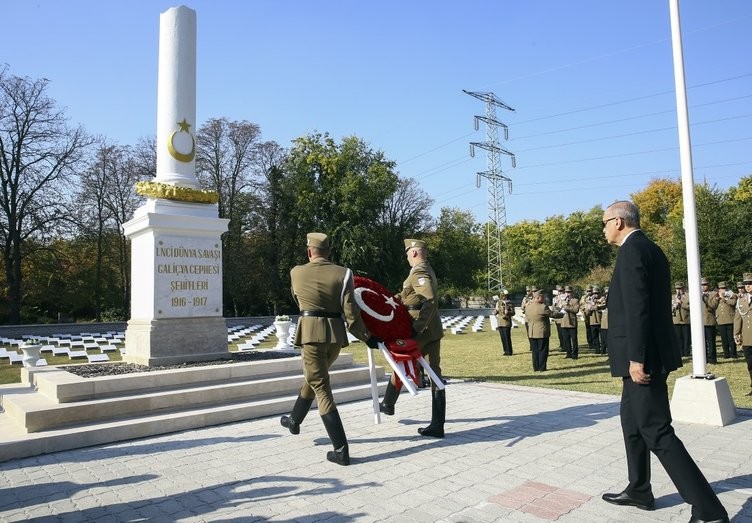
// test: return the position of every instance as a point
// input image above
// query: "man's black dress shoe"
(622, 498)
(698, 520)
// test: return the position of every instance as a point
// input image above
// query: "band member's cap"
(410, 243)
(679, 285)
(704, 281)
(534, 289)
(568, 288)
(589, 288)
(559, 288)
(722, 285)
(596, 289)
(748, 277)
(317, 239)
(739, 285)
(527, 288)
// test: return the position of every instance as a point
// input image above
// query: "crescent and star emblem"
(368, 310)
(182, 157)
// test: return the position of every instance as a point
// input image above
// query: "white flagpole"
(688, 197)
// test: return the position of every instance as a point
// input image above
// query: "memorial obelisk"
(176, 248)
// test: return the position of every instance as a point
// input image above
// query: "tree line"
(66, 194)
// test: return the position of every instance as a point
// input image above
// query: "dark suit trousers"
(505, 333)
(710, 352)
(646, 425)
(569, 335)
(727, 340)
(539, 348)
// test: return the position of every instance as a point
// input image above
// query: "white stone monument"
(176, 250)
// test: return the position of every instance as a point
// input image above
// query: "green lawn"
(477, 357)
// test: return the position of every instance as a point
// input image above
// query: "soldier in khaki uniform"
(680, 313)
(525, 300)
(593, 314)
(538, 316)
(709, 305)
(504, 311)
(585, 316)
(743, 324)
(420, 295)
(324, 292)
(603, 307)
(570, 306)
(724, 315)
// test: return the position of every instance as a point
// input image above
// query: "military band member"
(709, 305)
(585, 317)
(593, 313)
(538, 316)
(569, 308)
(603, 307)
(724, 315)
(504, 311)
(556, 305)
(680, 316)
(525, 300)
(743, 324)
(420, 295)
(324, 293)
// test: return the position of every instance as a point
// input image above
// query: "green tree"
(38, 158)
(458, 252)
(340, 189)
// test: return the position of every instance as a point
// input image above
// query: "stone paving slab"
(511, 454)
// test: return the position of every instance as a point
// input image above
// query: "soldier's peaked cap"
(410, 243)
(679, 285)
(748, 277)
(318, 240)
(739, 285)
(704, 281)
(722, 285)
(568, 288)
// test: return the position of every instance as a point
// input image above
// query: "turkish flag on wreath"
(388, 319)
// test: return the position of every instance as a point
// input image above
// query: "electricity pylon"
(497, 213)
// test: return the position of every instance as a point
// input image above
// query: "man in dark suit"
(643, 350)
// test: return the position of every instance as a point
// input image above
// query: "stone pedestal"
(176, 284)
(699, 400)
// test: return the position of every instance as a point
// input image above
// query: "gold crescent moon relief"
(182, 157)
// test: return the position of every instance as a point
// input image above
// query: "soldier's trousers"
(728, 345)
(570, 343)
(505, 333)
(595, 337)
(683, 337)
(710, 351)
(317, 359)
(431, 350)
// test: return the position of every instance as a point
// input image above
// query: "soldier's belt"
(321, 314)
(413, 307)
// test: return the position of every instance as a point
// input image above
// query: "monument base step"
(17, 442)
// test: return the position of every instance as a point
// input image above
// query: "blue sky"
(591, 82)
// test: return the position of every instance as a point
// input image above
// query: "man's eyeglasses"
(604, 222)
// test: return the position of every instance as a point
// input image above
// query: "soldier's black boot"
(438, 416)
(333, 425)
(298, 414)
(390, 398)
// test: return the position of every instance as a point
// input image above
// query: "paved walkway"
(511, 454)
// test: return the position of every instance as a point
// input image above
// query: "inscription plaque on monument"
(188, 277)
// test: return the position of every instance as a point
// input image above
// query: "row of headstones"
(258, 335)
(73, 346)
